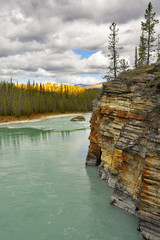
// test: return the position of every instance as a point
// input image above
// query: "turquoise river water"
(47, 192)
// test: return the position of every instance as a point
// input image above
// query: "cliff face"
(125, 140)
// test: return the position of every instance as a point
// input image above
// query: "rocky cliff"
(125, 143)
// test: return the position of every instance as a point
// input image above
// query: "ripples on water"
(46, 191)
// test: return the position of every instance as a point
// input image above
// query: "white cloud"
(37, 37)
(76, 79)
(96, 63)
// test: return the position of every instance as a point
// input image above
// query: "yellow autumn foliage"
(53, 87)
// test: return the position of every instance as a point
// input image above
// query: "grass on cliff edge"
(136, 73)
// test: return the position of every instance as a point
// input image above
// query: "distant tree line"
(16, 101)
(145, 49)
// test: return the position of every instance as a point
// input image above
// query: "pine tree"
(28, 85)
(136, 58)
(123, 64)
(142, 60)
(113, 49)
(148, 28)
(158, 45)
(11, 96)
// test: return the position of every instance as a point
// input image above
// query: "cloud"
(89, 80)
(37, 37)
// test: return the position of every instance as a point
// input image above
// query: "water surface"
(47, 193)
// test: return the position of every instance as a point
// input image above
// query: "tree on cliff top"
(148, 28)
(113, 49)
(123, 64)
(158, 45)
(136, 58)
(142, 60)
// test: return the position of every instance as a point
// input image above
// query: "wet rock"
(91, 160)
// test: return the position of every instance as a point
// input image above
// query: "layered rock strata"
(125, 141)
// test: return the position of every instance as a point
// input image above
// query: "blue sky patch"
(84, 53)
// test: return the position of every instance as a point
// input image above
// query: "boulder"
(78, 118)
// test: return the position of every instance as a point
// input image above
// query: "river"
(47, 192)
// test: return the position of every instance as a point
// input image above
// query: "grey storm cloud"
(37, 36)
(99, 10)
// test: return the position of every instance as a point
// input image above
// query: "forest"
(25, 100)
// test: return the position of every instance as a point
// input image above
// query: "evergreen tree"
(158, 45)
(136, 58)
(28, 85)
(123, 64)
(142, 51)
(11, 96)
(113, 49)
(148, 28)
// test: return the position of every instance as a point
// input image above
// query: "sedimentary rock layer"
(125, 140)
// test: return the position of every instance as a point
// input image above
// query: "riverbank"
(5, 120)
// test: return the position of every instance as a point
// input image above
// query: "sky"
(66, 41)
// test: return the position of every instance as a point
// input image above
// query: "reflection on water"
(16, 136)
